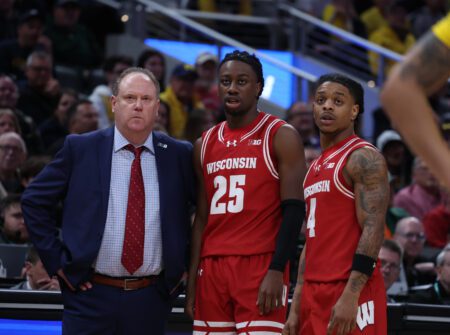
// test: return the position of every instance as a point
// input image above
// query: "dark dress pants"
(113, 311)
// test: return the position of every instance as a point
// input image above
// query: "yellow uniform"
(442, 30)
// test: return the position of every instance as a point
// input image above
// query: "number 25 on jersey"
(234, 187)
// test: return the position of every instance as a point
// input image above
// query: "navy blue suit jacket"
(80, 176)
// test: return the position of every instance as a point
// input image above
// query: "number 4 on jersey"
(311, 224)
(235, 205)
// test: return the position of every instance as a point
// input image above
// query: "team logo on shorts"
(365, 315)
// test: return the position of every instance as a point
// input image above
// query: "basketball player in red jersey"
(339, 287)
(250, 209)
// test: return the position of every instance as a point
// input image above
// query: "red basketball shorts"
(318, 299)
(226, 295)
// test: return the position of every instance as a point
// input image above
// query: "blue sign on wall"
(279, 83)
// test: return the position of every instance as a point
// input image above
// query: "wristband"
(364, 264)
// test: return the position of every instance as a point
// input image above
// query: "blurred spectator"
(439, 292)
(427, 15)
(395, 36)
(13, 229)
(154, 61)
(395, 153)
(31, 168)
(409, 233)
(390, 256)
(14, 52)
(445, 126)
(39, 96)
(8, 121)
(241, 7)
(206, 85)
(73, 44)
(422, 195)
(300, 116)
(375, 17)
(55, 127)
(312, 7)
(380, 122)
(37, 277)
(393, 214)
(82, 117)
(179, 95)
(342, 14)
(162, 120)
(9, 96)
(13, 154)
(311, 153)
(8, 20)
(437, 224)
(199, 120)
(101, 95)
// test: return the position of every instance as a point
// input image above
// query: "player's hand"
(343, 314)
(291, 325)
(190, 298)
(190, 305)
(270, 295)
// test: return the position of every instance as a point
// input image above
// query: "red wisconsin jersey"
(242, 188)
(332, 230)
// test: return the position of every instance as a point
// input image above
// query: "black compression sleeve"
(293, 214)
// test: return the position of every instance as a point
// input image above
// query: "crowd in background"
(55, 80)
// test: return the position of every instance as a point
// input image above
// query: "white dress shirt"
(109, 257)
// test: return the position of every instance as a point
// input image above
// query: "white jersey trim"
(220, 132)
(204, 144)
(259, 323)
(247, 135)
(344, 147)
(256, 128)
(309, 169)
(266, 150)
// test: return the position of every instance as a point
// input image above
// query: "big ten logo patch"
(254, 142)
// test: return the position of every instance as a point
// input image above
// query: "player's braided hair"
(250, 59)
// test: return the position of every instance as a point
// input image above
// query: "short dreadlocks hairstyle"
(250, 59)
(355, 88)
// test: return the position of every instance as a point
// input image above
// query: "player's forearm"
(355, 284)
(413, 116)
(301, 267)
(404, 97)
(196, 243)
(295, 304)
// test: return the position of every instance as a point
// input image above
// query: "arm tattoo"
(368, 171)
(357, 282)
(430, 65)
(301, 271)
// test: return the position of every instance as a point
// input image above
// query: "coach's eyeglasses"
(417, 236)
(389, 266)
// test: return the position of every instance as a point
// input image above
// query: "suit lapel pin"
(162, 145)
